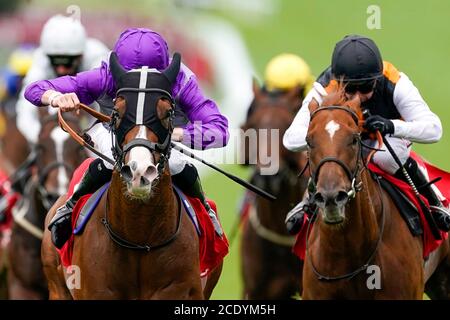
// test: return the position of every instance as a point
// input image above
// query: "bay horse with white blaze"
(138, 244)
(358, 224)
(269, 268)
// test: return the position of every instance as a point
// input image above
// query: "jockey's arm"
(87, 86)
(419, 123)
(294, 138)
(208, 128)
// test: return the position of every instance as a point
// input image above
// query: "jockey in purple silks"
(135, 48)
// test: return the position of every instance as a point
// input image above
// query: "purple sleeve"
(88, 86)
(208, 128)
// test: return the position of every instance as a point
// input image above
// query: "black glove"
(374, 123)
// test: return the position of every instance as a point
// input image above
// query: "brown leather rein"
(99, 116)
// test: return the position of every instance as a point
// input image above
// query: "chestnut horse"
(359, 246)
(269, 268)
(56, 157)
(138, 243)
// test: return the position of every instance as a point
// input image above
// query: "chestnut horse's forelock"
(336, 97)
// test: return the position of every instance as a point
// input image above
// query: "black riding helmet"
(356, 59)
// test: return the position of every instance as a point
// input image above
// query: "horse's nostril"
(144, 181)
(341, 197)
(126, 173)
(319, 199)
(151, 172)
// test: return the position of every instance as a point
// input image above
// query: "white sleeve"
(294, 138)
(419, 123)
(27, 119)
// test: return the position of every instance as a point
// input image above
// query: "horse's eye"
(309, 144)
(355, 140)
(169, 114)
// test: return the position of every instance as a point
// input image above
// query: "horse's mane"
(336, 97)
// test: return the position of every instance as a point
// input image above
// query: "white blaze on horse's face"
(143, 168)
(59, 137)
(332, 127)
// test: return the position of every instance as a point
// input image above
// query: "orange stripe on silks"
(390, 72)
(332, 86)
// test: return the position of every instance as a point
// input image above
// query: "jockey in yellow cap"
(286, 71)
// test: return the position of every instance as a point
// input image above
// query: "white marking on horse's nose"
(59, 137)
(332, 127)
(141, 163)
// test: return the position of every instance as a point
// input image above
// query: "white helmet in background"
(63, 35)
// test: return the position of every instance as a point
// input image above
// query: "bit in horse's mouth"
(333, 222)
(140, 193)
(333, 216)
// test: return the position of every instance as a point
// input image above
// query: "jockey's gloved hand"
(378, 123)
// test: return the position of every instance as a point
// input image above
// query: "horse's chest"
(110, 272)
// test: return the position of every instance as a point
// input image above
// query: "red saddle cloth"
(429, 241)
(212, 248)
(8, 200)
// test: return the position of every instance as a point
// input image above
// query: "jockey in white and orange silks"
(396, 109)
(135, 48)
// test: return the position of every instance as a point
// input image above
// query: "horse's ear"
(294, 97)
(313, 105)
(256, 88)
(172, 70)
(355, 104)
(294, 93)
(117, 70)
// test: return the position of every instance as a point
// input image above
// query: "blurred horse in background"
(269, 268)
(14, 146)
(56, 157)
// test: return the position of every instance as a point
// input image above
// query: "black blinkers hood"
(142, 89)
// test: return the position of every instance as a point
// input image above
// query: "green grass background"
(414, 35)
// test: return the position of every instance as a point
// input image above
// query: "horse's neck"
(142, 221)
(357, 237)
(273, 213)
(37, 212)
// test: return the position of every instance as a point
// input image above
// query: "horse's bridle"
(352, 193)
(162, 148)
(351, 174)
(119, 155)
(49, 198)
